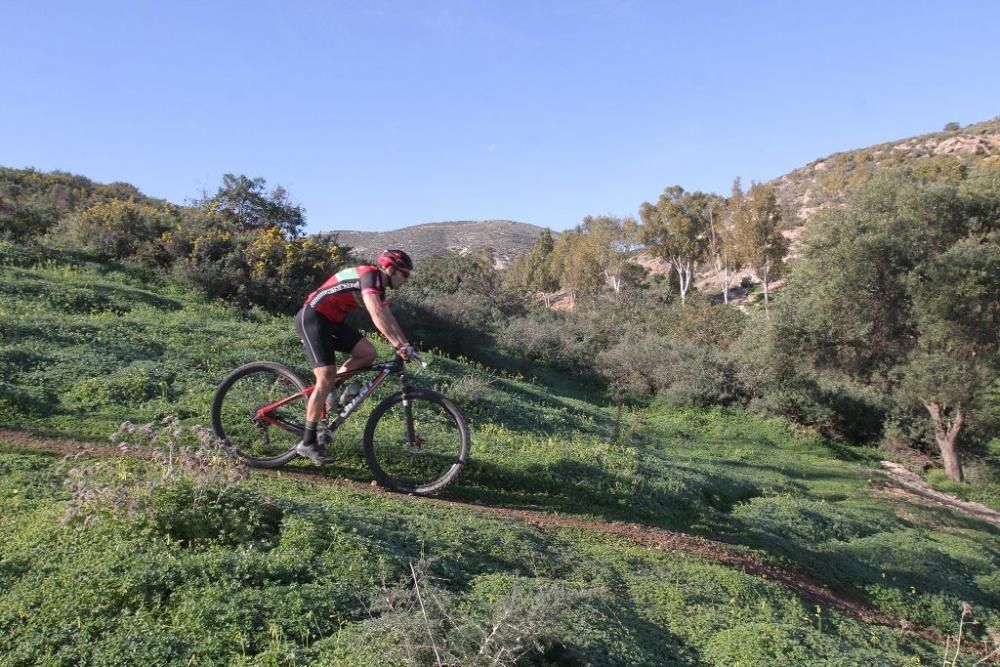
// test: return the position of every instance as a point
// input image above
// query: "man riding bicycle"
(323, 331)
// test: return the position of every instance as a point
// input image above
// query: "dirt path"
(911, 486)
(806, 587)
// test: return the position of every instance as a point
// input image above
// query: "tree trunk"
(614, 280)
(946, 432)
(683, 277)
(725, 285)
(767, 294)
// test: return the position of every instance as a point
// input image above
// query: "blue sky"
(383, 114)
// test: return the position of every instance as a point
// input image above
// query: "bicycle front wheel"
(260, 442)
(417, 444)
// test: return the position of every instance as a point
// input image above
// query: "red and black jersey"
(341, 293)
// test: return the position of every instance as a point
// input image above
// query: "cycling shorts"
(322, 338)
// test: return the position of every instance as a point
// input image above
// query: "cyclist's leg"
(326, 379)
(360, 351)
(315, 332)
(362, 355)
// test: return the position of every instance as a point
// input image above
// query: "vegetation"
(595, 391)
(214, 566)
(897, 293)
(243, 244)
(675, 229)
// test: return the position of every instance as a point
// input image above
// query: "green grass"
(291, 585)
(272, 571)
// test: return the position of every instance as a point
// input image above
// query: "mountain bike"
(415, 441)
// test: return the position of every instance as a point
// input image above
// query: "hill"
(508, 239)
(653, 571)
(802, 192)
(933, 156)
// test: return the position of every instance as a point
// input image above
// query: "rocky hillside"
(507, 239)
(826, 181)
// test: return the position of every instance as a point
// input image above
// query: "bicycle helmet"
(396, 258)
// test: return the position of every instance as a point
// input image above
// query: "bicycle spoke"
(416, 445)
(246, 433)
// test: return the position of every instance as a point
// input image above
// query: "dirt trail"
(909, 485)
(806, 587)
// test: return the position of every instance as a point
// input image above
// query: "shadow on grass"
(520, 409)
(572, 487)
(81, 299)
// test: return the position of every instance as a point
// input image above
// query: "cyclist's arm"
(384, 320)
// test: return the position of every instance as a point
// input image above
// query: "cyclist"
(323, 331)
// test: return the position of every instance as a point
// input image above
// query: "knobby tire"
(238, 396)
(431, 421)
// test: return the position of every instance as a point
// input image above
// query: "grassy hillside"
(112, 560)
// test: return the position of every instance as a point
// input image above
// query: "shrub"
(502, 621)
(190, 513)
(118, 229)
(698, 375)
(189, 491)
(470, 390)
(28, 400)
(633, 365)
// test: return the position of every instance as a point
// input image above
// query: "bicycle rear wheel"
(418, 444)
(258, 442)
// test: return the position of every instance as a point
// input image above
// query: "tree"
(757, 236)
(898, 291)
(720, 238)
(610, 243)
(533, 272)
(675, 228)
(957, 316)
(573, 264)
(243, 204)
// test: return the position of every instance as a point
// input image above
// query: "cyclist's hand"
(407, 352)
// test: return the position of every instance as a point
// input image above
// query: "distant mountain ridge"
(507, 238)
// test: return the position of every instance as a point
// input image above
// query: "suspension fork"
(412, 439)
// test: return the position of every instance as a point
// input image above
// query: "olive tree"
(899, 291)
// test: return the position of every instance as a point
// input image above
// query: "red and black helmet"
(396, 258)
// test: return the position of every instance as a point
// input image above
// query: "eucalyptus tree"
(610, 244)
(757, 238)
(719, 235)
(675, 228)
(573, 264)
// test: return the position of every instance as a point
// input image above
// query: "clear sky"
(380, 114)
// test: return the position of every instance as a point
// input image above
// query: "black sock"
(309, 436)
